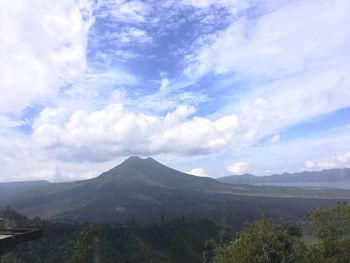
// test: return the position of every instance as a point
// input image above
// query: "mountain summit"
(136, 160)
(148, 171)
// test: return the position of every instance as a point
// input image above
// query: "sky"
(209, 87)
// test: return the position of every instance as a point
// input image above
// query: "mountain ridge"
(323, 176)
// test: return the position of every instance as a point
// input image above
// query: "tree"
(263, 242)
(332, 231)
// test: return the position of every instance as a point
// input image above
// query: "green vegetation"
(267, 242)
(190, 240)
(174, 241)
(263, 242)
(332, 230)
(178, 240)
(48, 249)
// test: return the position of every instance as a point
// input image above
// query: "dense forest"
(178, 240)
(324, 236)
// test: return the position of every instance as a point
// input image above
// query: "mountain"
(337, 178)
(149, 172)
(144, 189)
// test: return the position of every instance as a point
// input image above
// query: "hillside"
(10, 190)
(144, 189)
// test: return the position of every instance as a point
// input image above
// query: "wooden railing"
(13, 237)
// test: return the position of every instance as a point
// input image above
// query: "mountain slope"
(10, 190)
(144, 189)
(150, 172)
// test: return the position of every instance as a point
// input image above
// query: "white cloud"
(296, 154)
(127, 11)
(42, 48)
(197, 172)
(309, 164)
(320, 165)
(170, 95)
(227, 122)
(289, 39)
(127, 36)
(344, 158)
(326, 165)
(6, 122)
(293, 71)
(232, 5)
(114, 131)
(125, 55)
(96, 86)
(23, 160)
(140, 35)
(238, 168)
(293, 64)
(336, 161)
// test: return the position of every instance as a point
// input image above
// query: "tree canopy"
(267, 242)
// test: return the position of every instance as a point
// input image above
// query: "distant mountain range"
(337, 178)
(144, 189)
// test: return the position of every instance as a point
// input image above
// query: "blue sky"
(207, 87)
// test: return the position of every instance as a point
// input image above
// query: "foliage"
(262, 242)
(266, 242)
(106, 243)
(14, 219)
(332, 230)
(178, 240)
(188, 240)
(48, 249)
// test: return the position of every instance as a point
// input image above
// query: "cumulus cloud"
(23, 160)
(197, 172)
(42, 48)
(115, 131)
(238, 168)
